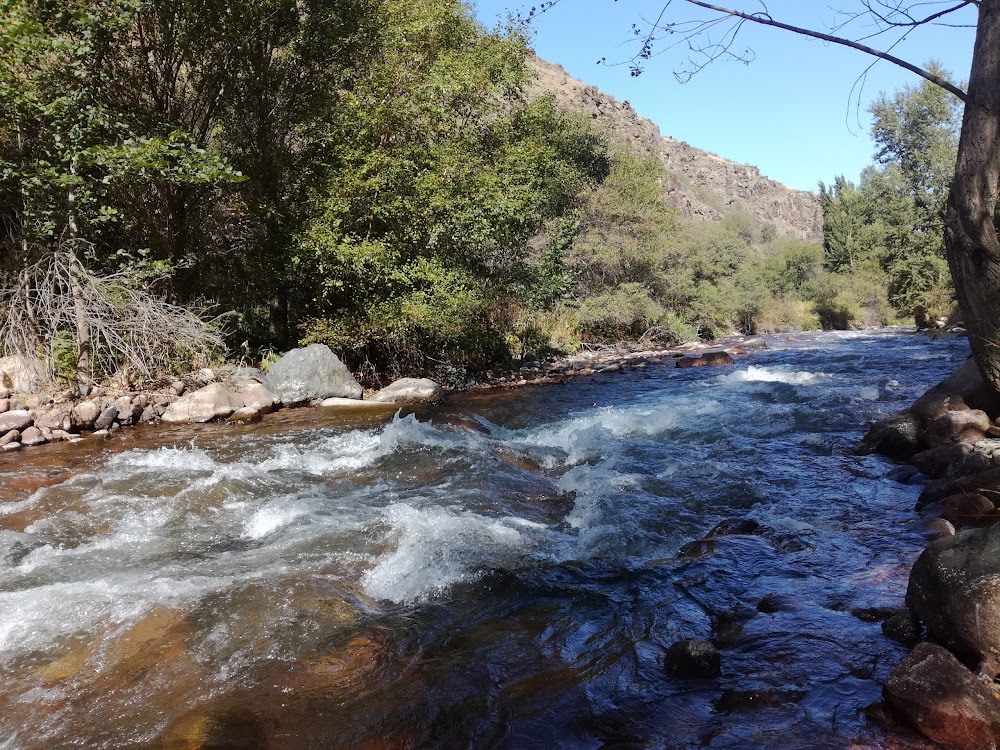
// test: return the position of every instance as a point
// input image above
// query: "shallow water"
(499, 572)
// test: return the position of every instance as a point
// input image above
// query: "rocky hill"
(700, 184)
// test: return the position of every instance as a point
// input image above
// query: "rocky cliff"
(700, 184)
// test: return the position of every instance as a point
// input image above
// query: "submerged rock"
(944, 700)
(689, 659)
(954, 589)
(312, 373)
(708, 359)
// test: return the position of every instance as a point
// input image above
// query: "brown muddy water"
(502, 571)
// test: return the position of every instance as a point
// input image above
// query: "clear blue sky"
(789, 112)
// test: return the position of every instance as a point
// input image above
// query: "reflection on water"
(504, 571)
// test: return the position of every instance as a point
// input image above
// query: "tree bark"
(970, 233)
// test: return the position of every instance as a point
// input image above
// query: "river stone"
(692, 659)
(312, 373)
(15, 446)
(902, 628)
(214, 401)
(106, 418)
(5, 405)
(967, 426)
(54, 419)
(84, 414)
(353, 403)
(966, 382)
(944, 700)
(408, 391)
(255, 396)
(937, 462)
(10, 437)
(896, 437)
(967, 509)
(18, 419)
(954, 589)
(245, 414)
(708, 359)
(32, 436)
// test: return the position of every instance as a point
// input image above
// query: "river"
(503, 571)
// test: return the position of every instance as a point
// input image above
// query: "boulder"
(944, 700)
(688, 659)
(255, 396)
(312, 373)
(54, 419)
(13, 436)
(84, 414)
(965, 426)
(409, 391)
(708, 359)
(8, 447)
(245, 414)
(214, 401)
(954, 589)
(967, 509)
(896, 437)
(18, 419)
(33, 436)
(5, 405)
(106, 418)
(20, 375)
(967, 383)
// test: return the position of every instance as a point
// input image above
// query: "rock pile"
(946, 687)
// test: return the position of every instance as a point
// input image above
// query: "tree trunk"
(970, 232)
(82, 339)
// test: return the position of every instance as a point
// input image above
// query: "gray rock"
(18, 419)
(15, 446)
(5, 405)
(944, 700)
(312, 373)
(148, 414)
(13, 436)
(107, 418)
(965, 426)
(84, 414)
(214, 401)
(54, 419)
(20, 375)
(896, 437)
(954, 589)
(245, 414)
(249, 373)
(255, 396)
(4, 392)
(409, 391)
(32, 436)
(693, 659)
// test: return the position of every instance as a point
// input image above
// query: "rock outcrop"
(699, 184)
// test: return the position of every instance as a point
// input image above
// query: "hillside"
(701, 185)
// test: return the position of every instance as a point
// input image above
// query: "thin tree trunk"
(82, 339)
(970, 232)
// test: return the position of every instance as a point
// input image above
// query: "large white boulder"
(312, 373)
(214, 401)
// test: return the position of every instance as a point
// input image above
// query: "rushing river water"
(503, 571)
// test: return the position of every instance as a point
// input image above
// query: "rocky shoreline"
(311, 376)
(947, 686)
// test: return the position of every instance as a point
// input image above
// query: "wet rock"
(693, 659)
(944, 700)
(84, 414)
(106, 418)
(149, 414)
(954, 589)
(902, 628)
(877, 614)
(736, 700)
(214, 401)
(245, 414)
(903, 474)
(734, 526)
(939, 529)
(967, 509)
(255, 396)
(708, 359)
(312, 373)
(896, 437)
(8, 447)
(353, 403)
(773, 603)
(938, 462)
(409, 390)
(697, 548)
(19, 419)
